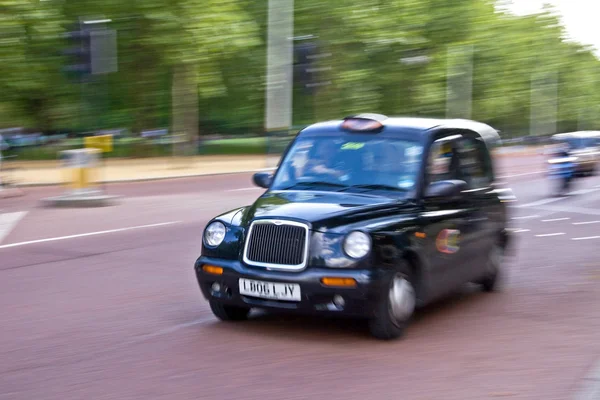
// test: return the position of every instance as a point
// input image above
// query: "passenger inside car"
(444, 163)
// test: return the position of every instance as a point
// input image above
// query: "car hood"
(322, 210)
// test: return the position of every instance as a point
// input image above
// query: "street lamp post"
(279, 79)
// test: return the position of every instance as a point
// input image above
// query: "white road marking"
(554, 199)
(174, 328)
(526, 217)
(586, 238)
(540, 202)
(522, 230)
(556, 219)
(582, 191)
(590, 389)
(586, 222)
(577, 210)
(550, 234)
(8, 222)
(86, 234)
(545, 266)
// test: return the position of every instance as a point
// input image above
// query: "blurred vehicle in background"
(561, 170)
(367, 217)
(582, 147)
(3, 144)
(18, 138)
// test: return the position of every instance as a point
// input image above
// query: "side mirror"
(445, 190)
(262, 179)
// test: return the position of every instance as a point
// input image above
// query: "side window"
(442, 161)
(475, 165)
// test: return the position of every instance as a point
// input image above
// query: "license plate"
(270, 290)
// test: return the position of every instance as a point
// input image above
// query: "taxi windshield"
(350, 163)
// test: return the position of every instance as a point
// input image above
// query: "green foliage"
(140, 148)
(218, 47)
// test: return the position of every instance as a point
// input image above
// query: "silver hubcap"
(402, 298)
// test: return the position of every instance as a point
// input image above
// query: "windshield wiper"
(316, 183)
(376, 187)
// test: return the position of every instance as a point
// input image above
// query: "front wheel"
(396, 307)
(561, 186)
(228, 313)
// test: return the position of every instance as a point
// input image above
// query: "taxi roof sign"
(364, 122)
(374, 117)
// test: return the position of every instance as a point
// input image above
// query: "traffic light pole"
(93, 51)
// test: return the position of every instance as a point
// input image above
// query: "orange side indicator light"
(211, 269)
(339, 282)
(420, 235)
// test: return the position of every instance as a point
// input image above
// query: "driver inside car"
(322, 163)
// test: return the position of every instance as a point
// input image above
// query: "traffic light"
(78, 52)
(303, 62)
(307, 68)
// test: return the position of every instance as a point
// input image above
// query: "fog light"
(339, 301)
(216, 287)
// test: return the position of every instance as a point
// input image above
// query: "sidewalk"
(33, 173)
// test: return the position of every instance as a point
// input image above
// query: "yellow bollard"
(81, 178)
(80, 169)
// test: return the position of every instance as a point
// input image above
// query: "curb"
(160, 178)
(80, 202)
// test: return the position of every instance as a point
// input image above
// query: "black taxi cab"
(368, 217)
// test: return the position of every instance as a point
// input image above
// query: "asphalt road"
(103, 304)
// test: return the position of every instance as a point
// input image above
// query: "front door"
(486, 220)
(450, 227)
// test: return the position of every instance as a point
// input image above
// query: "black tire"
(384, 325)
(228, 313)
(566, 186)
(561, 187)
(492, 282)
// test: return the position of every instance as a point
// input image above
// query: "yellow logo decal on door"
(448, 241)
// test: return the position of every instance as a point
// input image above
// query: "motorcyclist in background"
(561, 170)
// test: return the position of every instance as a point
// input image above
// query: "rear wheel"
(396, 307)
(229, 313)
(494, 272)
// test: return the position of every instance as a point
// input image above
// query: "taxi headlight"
(214, 234)
(357, 244)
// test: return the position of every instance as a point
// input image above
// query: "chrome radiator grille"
(277, 244)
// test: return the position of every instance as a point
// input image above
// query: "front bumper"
(359, 301)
